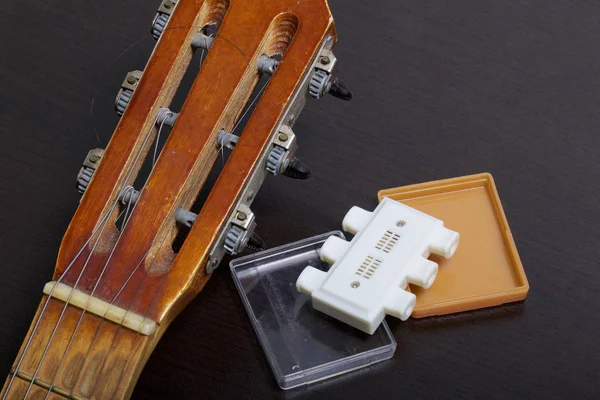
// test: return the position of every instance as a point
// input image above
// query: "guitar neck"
(102, 360)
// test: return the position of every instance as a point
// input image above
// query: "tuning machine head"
(324, 80)
(284, 147)
(126, 91)
(91, 162)
(242, 228)
(162, 17)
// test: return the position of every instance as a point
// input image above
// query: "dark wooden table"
(441, 89)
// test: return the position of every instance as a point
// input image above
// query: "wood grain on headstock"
(166, 281)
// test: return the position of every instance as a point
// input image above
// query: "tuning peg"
(202, 41)
(280, 159)
(166, 117)
(338, 89)
(126, 91)
(239, 234)
(324, 80)
(185, 217)
(256, 243)
(91, 162)
(159, 24)
(282, 153)
(296, 169)
(162, 18)
(267, 65)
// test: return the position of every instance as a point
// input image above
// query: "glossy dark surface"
(441, 89)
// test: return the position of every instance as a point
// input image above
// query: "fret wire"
(130, 172)
(45, 385)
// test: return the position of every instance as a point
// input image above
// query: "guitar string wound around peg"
(166, 117)
(202, 41)
(267, 65)
(227, 139)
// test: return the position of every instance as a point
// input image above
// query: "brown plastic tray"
(486, 269)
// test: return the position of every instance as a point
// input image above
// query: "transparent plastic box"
(302, 345)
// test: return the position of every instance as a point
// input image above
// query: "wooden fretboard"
(103, 361)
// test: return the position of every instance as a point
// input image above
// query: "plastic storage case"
(486, 270)
(302, 345)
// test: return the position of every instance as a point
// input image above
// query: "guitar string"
(64, 308)
(130, 172)
(102, 321)
(128, 190)
(80, 251)
(127, 216)
(106, 69)
(258, 95)
(122, 287)
(140, 285)
(161, 113)
(120, 328)
(137, 336)
(93, 233)
(28, 343)
(163, 279)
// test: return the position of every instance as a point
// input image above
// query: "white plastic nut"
(369, 274)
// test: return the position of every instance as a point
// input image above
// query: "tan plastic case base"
(486, 269)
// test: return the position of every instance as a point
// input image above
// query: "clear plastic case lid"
(302, 345)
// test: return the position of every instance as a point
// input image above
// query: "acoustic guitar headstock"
(119, 246)
(120, 278)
